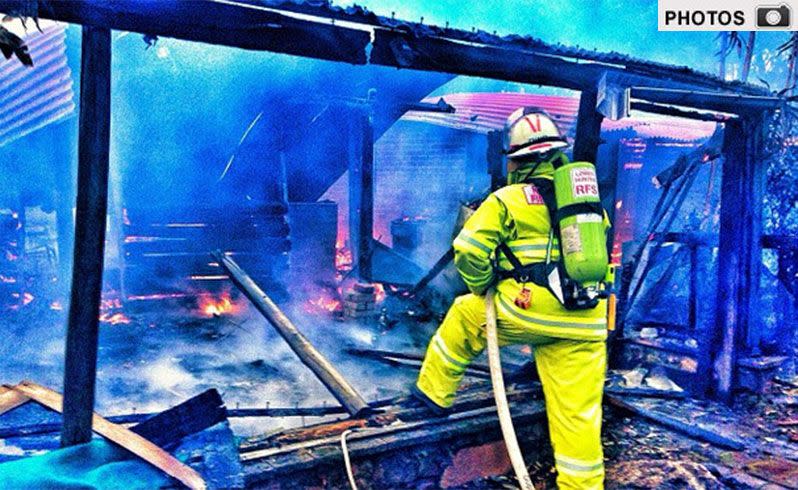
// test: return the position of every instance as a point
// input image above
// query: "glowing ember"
(107, 304)
(10, 256)
(324, 304)
(210, 306)
(186, 225)
(114, 318)
(56, 306)
(140, 239)
(343, 257)
(153, 297)
(7, 279)
(27, 298)
(379, 293)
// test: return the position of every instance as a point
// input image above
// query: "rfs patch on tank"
(532, 195)
(584, 183)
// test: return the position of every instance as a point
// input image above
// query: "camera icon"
(773, 17)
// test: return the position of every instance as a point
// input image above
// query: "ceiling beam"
(400, 45)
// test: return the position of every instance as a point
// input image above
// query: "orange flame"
(324, 304)
(114, 318)
(210, 306)
(153, 297)
(343, 256)
(107, 304)
(379, 293)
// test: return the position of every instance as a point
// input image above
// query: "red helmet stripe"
(531, 124)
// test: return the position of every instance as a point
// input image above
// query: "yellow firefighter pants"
(571, 371)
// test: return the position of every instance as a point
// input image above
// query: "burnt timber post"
(739, 254)
(87, 269)
(495, 158)
(361, 191)
(366, 186)
(588, 128)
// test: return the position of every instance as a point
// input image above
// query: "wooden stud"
(87, 268)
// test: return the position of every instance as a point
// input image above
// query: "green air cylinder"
(583, 239)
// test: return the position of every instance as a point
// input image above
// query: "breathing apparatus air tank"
(583, 240)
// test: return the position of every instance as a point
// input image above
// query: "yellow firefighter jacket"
(517, 215)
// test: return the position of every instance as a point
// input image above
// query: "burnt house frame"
(607, 82)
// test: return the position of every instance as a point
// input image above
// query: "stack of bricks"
(359, 302)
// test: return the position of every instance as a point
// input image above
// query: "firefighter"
(569, 345)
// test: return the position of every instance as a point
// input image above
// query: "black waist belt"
(536, 273)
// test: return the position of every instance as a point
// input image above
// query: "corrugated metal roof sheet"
(33, 97)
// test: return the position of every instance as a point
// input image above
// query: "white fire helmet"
(530, 130)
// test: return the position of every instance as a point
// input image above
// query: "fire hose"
(502, 407)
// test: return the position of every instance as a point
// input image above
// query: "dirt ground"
(642, 455)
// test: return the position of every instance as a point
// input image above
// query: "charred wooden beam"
(365, 189)
(588, 128)
(607, 169)
(473, 419)
(692, 430)
(496, 159)
(87, 268)
(136, 418)
(713, 101)
(644, 392)
(314, 34)
(223, 23)
(196, 414)
(436, 269)
(307, 353)
(692, 239)
(676, 112)
(398, 48)
(739, 254)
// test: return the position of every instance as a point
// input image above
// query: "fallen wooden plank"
(693, 431)
(316, 457)
(329, 376)
(642, 391)
(433, 273)
(169, 427)
(471, 398)
(11, 399)
(117, 434)
(133, 418)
